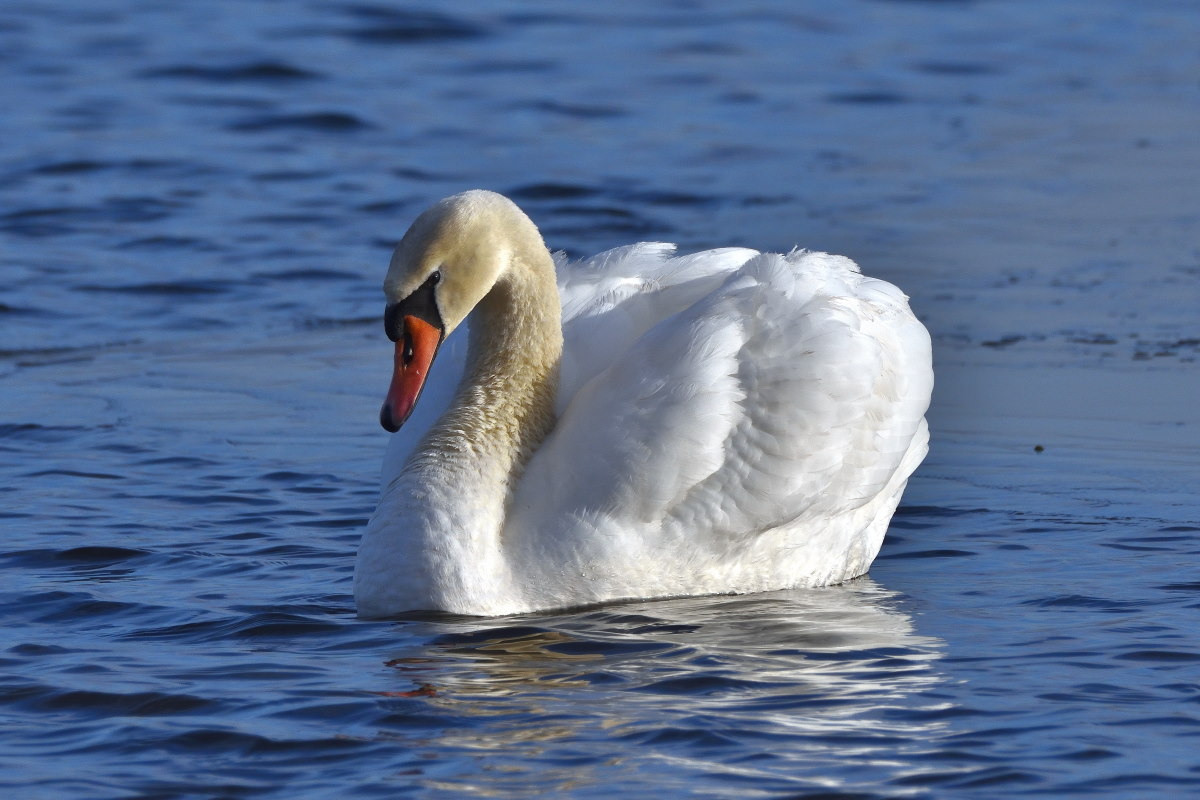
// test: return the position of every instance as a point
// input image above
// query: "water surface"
(197, 203)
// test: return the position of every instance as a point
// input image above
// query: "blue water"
(197, 203)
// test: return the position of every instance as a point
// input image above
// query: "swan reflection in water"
(783, 686)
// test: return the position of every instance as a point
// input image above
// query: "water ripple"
(384, 25)
(318, 121)
(258, 71)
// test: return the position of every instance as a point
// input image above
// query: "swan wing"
(612, 299)
(791, 390)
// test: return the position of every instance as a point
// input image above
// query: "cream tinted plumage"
(635, 425)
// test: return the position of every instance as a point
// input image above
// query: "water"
(197, 202)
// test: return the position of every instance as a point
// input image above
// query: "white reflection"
(807, 686)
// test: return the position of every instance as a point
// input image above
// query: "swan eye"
(436, 277)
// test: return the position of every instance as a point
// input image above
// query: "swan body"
(635, 425)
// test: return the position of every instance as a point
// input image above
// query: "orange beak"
(415, 350)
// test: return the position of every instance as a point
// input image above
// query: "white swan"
(652, 426)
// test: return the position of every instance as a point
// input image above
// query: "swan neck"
(505, 404)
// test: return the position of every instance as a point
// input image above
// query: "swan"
(636, 425)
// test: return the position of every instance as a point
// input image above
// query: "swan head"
(449, 260)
